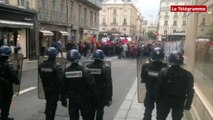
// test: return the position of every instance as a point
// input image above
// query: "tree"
(151, 35)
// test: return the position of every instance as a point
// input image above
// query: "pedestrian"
(51, 76)
(79, 88)
(58, 46)
(149, 76)
(174, 89)
(8, 76)
(101, 72)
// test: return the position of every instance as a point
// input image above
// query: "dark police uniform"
(102, 74)
(8, 76)
(51, 77)
(149, 76)
(80, 89)
(174, 91)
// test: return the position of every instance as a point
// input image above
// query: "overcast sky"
(149, 7)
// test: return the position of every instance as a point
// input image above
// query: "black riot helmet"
(176, 58)
(157, 54)
(73, 55)
(52, 52)
(98, 54)
(5, 51)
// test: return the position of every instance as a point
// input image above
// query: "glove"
(64, 103)
(187, 107)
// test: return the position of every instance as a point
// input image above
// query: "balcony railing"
(124, 23)
(114, 23)
(166, 16)
(175, 16)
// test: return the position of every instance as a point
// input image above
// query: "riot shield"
(62, 61)
(17, 60)
(141, 86)
(85, 63)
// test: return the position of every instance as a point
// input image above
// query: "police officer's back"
(51, 76)
(149, 76)
(174, 89)
(102, 75)
(79, 87)
(8, 76)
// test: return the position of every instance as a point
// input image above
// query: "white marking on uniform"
(46, 70)
(94, 71)
(73, 74)
(153, 73)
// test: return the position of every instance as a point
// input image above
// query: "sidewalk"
(130, 109)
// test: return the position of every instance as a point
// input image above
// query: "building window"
(203, 21)
(165, 32)
(125, 21)
(166, 14)
(114, 11)
(175, 23)
(114, 20)
(85, 16)
(166, 22)
(184, 23)
(174, 31)
(167, 4)
(53, 4)
(95, 17)
(79, 13)
(23, 3)
(175, 14)
(91, 18)
(104, 21)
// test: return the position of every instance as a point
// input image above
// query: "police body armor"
(41, 59)
(176, 82)
(50, 73)
(149, 73)
(8, 76)
(76, 83)
(102, 75)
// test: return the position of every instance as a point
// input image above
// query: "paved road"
(27, 106)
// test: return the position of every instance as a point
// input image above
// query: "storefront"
(17, 29)
(199, 60)
(49, 34)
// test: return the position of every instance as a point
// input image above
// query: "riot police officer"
(102, 75)
(8, 76)
(174, 89)
(51, 76)
(79, 87)
(149, 76)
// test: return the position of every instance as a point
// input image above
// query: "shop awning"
(47, 33)
(8, 23)
(64, 33)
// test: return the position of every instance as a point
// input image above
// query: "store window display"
(204, 54)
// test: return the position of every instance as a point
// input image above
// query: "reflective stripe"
(73, 74)
(95, 71)
(153, 73)
(46, 70)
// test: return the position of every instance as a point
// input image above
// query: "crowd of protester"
(128, 50)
